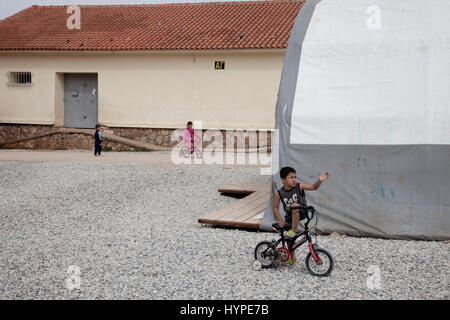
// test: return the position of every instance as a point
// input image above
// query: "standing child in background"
(189, 139)
(292, 195)
(98, 139)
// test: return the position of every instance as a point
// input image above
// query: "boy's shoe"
(289, 234)
(290, 263)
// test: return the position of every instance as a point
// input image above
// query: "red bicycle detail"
(283, 254)
(315, 257)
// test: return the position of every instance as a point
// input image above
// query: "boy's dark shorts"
(288, 216)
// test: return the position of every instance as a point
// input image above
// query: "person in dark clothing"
(98, 139)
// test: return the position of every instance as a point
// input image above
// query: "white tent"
(365, 95)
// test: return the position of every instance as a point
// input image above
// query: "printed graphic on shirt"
(290, 201)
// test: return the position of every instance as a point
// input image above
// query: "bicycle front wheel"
(265, 253)
(321, 268)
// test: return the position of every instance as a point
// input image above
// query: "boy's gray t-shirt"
(288, 198)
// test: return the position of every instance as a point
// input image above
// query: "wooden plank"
(241, 217)
(237, 224)
(252, 213)
(246, 207)
(244, 213)
(242, 225)
(244, 188)
(257, 217)
(252, 208)
(255, 220)
(233, 207)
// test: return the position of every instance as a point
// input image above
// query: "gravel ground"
(132, 232)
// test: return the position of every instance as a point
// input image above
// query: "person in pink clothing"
(192, 140)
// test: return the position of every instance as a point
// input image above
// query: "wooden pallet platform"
(244, 188)
(243, 213)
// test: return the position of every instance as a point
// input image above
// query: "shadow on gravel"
(234, 195)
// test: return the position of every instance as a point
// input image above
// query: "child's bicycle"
(193, 147)
(319, 262)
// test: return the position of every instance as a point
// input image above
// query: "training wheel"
(257, 265)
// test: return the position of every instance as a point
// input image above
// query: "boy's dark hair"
(189, 122)
(285, 171)
(97, 126)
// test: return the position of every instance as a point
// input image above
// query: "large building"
(145, 67)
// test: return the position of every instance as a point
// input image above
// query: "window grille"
(19, 78)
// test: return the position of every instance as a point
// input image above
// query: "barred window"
(19, 78)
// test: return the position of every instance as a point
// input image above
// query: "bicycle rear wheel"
(324, 267)
(265, 253)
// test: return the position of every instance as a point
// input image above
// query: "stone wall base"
(157, 136)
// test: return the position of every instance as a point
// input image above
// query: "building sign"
(219, 65)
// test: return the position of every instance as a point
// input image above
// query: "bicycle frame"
(292, 245)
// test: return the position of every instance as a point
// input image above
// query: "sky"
(8, 7)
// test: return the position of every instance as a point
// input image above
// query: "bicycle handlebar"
(302, 206)
(308, 210)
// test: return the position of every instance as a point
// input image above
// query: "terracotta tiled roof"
(182, 26)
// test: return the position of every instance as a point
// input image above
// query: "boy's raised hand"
(323, 177)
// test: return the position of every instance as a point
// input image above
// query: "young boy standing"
(98, 139)
(292, 195)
